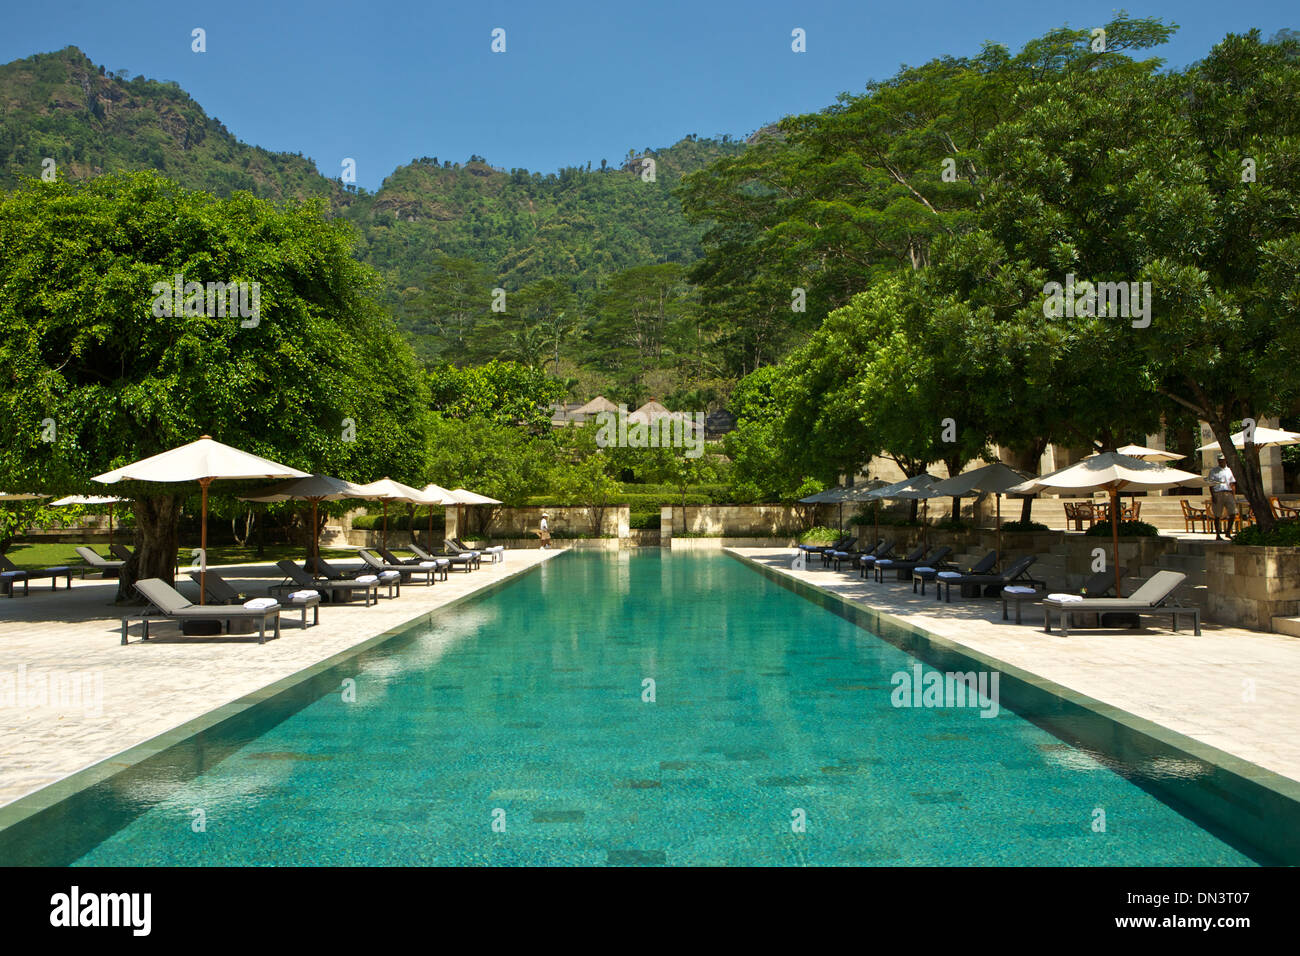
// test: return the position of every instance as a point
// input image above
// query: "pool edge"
(19, 811)
(1252, 783)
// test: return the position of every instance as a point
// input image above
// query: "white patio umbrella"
(313, 488)
(386, 490)
(1113, 473)
(463, 497)
(437, 491)
(1149, 454)
(93, 500)
(203, 461)
(1263, 438)
(995, 479)
(898, 489)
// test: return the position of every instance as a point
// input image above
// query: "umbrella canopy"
(1108, 471)
(200, 460)
(203, 461)
(462, 497)
(1149, 454)
(93, 500)
(995, 479)
(313, 488)
(1111, 472)
(897, 489)
(1264, 438)
(386, 490)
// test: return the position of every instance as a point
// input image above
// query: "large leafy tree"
(320, 381)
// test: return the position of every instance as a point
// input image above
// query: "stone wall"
(1249, 586)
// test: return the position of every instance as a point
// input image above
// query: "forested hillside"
(576, 251)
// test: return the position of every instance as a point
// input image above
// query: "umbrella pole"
(203, 543)
(110, 526)
(877, 521)
(385, 524)
(999, 506)
(430, 542)
(1114, 537)
(315, 539)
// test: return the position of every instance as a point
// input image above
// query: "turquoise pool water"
(527, 707)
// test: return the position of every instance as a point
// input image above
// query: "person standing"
(1223, 495)
(544, 532)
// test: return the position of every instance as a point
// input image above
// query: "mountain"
(61, 105)
(579, 225)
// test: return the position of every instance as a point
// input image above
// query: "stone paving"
(1198, 686)
(134, 693)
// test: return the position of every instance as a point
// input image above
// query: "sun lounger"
(496, 552)
(168, 604)
(404, 572)
(1152, 597)
(219, 591)
(881, 565)
(922, 574)
(935, 559)
(9, 581)
(454, 550)
(838, 544)
(96, 562)
(868, 561)
(849, 555)
(1015, 574)
(53, 573)
(121, 551)
(297, 578)
(1098, 585)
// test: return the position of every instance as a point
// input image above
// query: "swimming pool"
(629, 708)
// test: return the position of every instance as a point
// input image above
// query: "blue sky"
(386, 82)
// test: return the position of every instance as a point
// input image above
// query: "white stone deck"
(1234, 689)
(150, 688)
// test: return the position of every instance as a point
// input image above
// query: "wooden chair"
(1192, 515)
(1072, 514)
(1132, 512)
(1285, 512)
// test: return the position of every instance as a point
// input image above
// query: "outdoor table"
(923, 575)
(1017, 594)
(945, 578)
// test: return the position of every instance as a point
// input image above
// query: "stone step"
(1287, 625)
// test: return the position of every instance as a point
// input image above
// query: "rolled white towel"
(495, 547)
(301, 596)
(949, 575)
(428, 564)
(1017, 589)
(923, 570)
(1064, 598)
(367, 579)
(261, 604)
(388, 575)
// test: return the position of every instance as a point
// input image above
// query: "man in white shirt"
(1223, 495)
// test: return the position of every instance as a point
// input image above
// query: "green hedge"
(398, 523)
(637, 502)
(1127, 529)
(1286, 535)
(644, 520)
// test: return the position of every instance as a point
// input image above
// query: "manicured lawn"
(48, 555)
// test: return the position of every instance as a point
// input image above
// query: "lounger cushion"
(366, 578)
(299, 597)
(261, 604)
(1064, 598)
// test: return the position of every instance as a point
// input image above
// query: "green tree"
(320, 381)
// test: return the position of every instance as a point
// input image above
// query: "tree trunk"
(1246, 469)
(156, 542)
